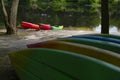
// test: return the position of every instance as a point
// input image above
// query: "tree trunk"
(10, 21)
(105, 17)
(5, 15)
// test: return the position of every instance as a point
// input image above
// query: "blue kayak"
(97, 38)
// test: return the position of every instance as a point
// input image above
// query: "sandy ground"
(24, 37)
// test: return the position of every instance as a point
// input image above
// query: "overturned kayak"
(29, 25)
(114, 47)
(95, 52)
(105, 35)
(51, 64)
(101, 38)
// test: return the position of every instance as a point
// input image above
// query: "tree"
(10, 19)
(105, 17)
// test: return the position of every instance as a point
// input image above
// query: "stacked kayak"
(114, 47)
(80, 49)
(51, 64)
(80, 57)
(105, 35)
(98, 38)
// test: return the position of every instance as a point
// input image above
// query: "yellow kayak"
(92, 51)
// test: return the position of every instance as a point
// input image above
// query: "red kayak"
(29, 25)
(45, 26)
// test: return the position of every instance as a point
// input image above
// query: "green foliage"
(57, 5)
(24, 3)
(95, 3)
(114, 2)
(43, 4)
(33, 3)
(57, 11)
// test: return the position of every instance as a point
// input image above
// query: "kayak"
(106, 35)
(45, 26)
(51, 64)
(98, 53)
(101, 38)
(29, 25)
(114, 47)
(57, 27)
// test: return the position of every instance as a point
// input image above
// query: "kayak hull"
(98, 53)
(36, 64)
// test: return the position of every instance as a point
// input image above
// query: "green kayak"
(51, 64)
(57, 27)
(96, 43)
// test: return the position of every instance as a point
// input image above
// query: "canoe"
(98, 38)
(56, 27)
(98, 53)
(25, 24)
(51, 64)
(96, 43)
